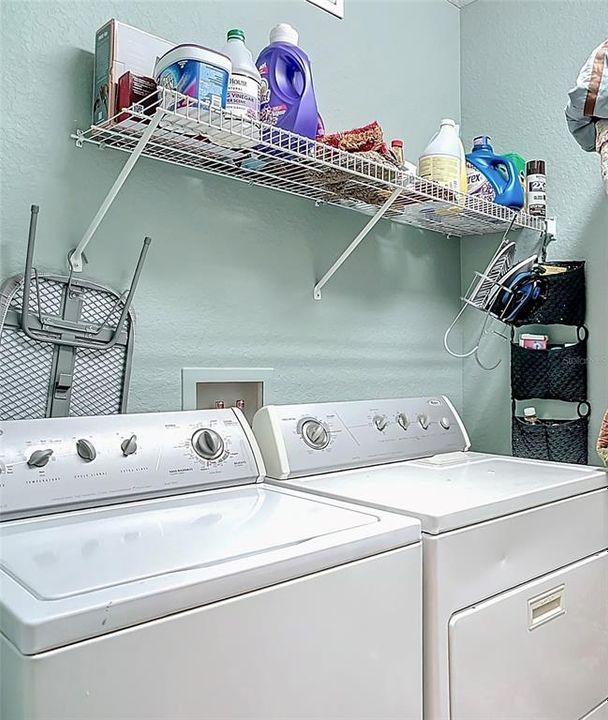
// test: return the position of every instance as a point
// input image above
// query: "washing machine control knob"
(380, 422)
(86, 449)
(39, 458)
(208, 444)
(129, 445)
(445, 423)
(403, 420)
(423, 421)
(315, 434)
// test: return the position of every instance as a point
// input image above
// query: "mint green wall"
(519, 59)
(230, 274)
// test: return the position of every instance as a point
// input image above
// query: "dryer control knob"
(445, 423)
(129, 445)
(380, 422)
(423, 421)
(39, 458)
(208, 444)
(86, 450)
(315, 434)
(403, 420)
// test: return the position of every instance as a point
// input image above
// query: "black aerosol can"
(536, 188)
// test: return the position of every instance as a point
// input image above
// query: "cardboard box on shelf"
(135, 91)
(120, 48)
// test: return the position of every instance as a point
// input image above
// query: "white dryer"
(515, 552)
(146, 573)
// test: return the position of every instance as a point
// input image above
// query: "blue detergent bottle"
(493, 177)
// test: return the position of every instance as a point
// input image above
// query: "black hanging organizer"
(561, 299)
(557, 373)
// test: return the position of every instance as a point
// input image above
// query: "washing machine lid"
(72, 576)
(455, 490)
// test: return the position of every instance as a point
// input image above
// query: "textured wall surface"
(230, 274)
(519, 59)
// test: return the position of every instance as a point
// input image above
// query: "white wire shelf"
(217, 142)
(173, 128)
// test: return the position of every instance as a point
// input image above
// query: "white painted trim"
(461, 3)
(335, 7)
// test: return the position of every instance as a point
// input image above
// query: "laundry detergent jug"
(442, 161)
(287, 94)
(493, 177)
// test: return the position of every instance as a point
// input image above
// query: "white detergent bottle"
(245, 81)
(441, 162)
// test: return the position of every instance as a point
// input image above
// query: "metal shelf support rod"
(75, 258)
(355, 243)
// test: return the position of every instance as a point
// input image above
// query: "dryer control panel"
(298, 440)
(62, 463)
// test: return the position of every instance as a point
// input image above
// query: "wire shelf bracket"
(75, 258)
(355, 244)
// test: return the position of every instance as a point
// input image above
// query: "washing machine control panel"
(298, 440)
(60, 463)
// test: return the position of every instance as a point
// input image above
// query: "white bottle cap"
(283, 32)
(447, 121)
(529, 412)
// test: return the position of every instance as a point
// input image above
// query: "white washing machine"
(515, 552)
(145, 573)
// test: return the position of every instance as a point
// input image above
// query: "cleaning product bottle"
(464, 179)
(397, 148)
(520, 165)
(493, 177)
(441, 161)
(464, 182)
(536, 186)
(530, 416)
(244, 83)
(288, 96)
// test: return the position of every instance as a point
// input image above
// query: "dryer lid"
(455, 490)
(139, 561)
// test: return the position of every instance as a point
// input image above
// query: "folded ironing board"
(65, 343)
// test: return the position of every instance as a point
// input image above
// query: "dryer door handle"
(545, 607)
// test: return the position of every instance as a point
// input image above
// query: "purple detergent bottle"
(287, 94)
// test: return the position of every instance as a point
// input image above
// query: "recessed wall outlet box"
(120, 48)
(204, 388)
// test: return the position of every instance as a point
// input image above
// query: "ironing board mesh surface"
(97, 386)
(99, 377)
(23, 394)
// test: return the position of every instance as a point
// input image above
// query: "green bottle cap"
(236, 34)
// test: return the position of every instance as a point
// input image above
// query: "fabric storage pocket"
(562, 297)
(558, 373)
(555, 440)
